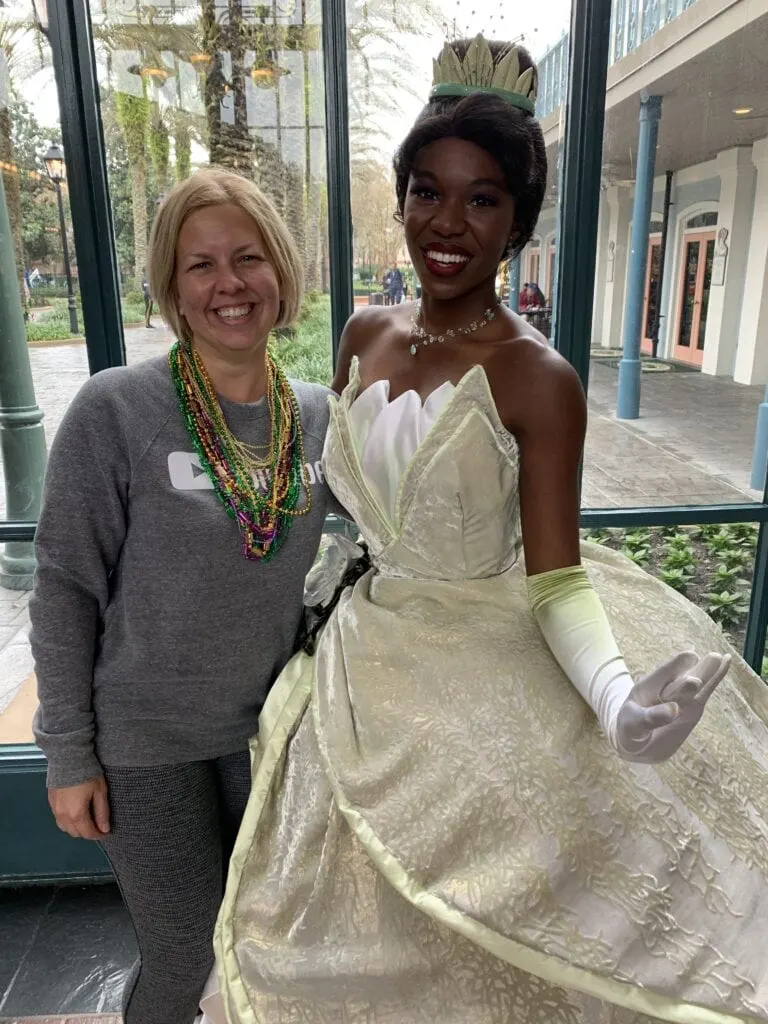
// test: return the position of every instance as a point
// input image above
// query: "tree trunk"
(229, 145)
(139, 202)
(183, 147)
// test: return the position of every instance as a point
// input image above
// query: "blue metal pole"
(514, 284)
(760, 454)
(628, 404)
(554, 286)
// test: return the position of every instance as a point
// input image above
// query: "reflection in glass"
(224, 82)
(651, 18)
(652, 299)
(689, 293)
(633, 36)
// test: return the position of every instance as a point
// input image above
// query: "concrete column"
(601, 271)
(752, 351)
(737, 190)
(618, 200)
(628, 401)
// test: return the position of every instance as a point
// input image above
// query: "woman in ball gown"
(506, 787)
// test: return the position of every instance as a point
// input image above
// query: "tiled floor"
(65, 951)
(88, 1018)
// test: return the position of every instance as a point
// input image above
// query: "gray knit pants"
(173, 828)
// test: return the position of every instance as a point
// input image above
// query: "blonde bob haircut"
(213, 186)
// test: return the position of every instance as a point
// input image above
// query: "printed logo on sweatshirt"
(187, 473)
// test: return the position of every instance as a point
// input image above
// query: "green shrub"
(728, 577)
(678, 579)
(49, 332)
(307, 354)
(680, 558)
(727, 608)
(639, 554)
(133, 312)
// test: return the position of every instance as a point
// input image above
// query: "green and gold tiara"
(476, 73)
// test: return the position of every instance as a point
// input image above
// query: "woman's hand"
(665, 706)
(82, 811)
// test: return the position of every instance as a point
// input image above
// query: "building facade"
(705, 276)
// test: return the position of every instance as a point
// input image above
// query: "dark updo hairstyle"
(513, 137)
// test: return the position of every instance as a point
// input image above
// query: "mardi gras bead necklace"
(264, 516)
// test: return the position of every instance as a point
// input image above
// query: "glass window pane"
(42, 358)
(679, 323)
(198, 82)
(711, 565)
(390, 71)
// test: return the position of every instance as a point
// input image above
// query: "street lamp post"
(22, 440)
(57, 172)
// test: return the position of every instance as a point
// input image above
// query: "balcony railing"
(633, 22)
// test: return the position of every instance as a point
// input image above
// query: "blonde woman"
(184, 505)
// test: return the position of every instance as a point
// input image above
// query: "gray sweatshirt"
(155, 640)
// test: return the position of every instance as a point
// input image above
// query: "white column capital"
(739, 158)
(618, 196)
(760, 152)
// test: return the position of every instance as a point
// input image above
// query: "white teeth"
(446, 257)
(233, 312)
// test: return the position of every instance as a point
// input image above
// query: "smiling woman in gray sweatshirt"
(159, 621)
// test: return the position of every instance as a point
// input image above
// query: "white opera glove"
(645, 721)
(665, 706)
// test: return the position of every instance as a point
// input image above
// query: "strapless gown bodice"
(388, 434)
(433, 485)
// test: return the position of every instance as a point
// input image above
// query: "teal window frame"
(34, 850)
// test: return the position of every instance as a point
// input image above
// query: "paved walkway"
(692, 445)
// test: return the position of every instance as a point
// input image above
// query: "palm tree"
(132, 116)
(160, 148)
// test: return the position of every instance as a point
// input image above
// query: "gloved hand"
(664, 706)
(644, 721)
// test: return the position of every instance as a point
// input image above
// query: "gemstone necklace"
(420, 336)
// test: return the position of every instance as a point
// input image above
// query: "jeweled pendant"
(413, 350)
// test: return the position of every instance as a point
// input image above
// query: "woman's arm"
(548, 415)
(79, 536)
(644, 721)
